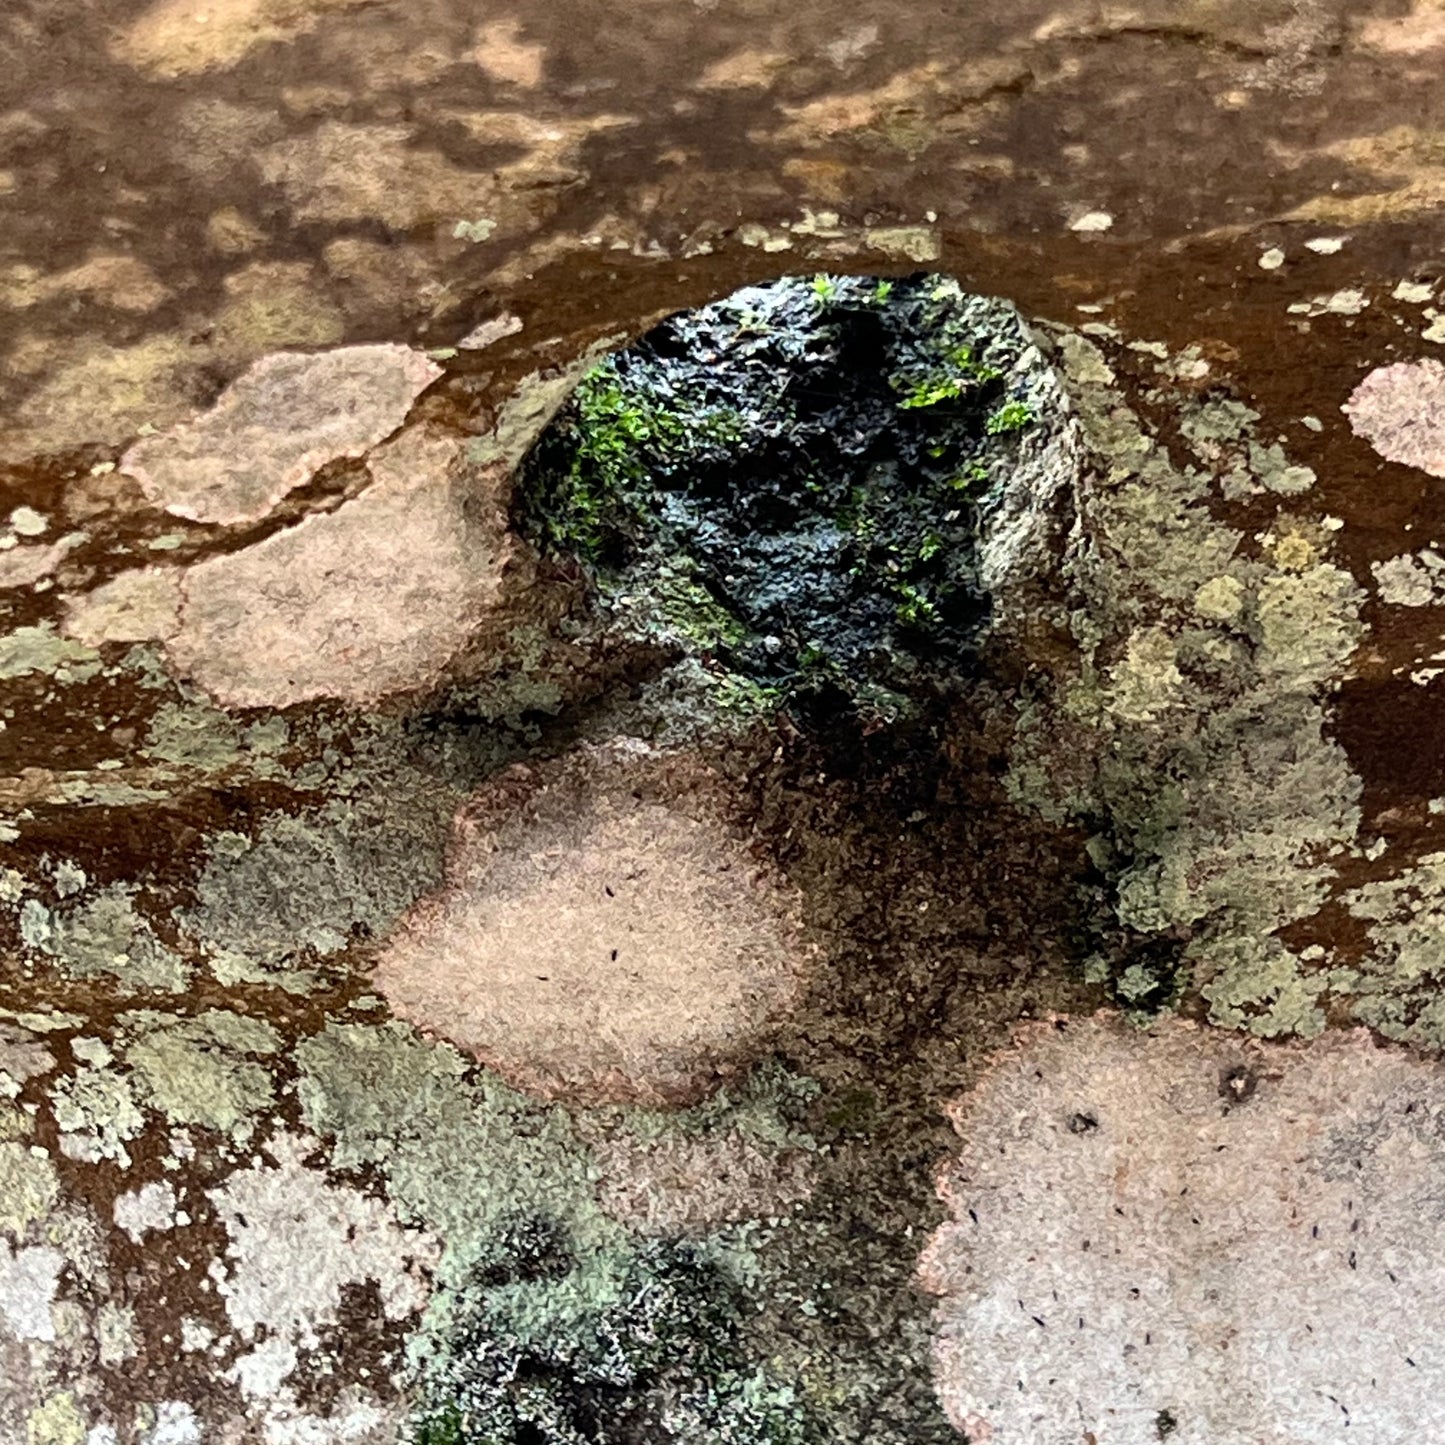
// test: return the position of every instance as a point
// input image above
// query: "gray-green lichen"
(203, 1070)
(41, 649)
(96, 1111)
(534, 1276)
(103, 936)
(1397, 980)
(1191, 734)
(307, 884)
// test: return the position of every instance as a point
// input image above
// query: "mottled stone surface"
(289, 289)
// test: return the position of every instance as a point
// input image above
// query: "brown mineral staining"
(374, 598)
(1400, 411)
(342, 172)
(109, 280)
(279, 421)
(605, 933)
(1182, 1220)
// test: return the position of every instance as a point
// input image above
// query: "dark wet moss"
(797, 472)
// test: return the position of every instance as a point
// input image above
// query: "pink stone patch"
(1400, 411)
(375, 598)
(274, 426)
(1186, 1233)
(606, 934)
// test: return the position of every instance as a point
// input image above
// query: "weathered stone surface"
(603, 935)
(274, 426)
(1177, 1226)
(374, 598)
(1200, 764)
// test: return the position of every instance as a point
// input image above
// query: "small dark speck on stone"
(1165, 1424)
(1238, 1084)
(1082, 1123)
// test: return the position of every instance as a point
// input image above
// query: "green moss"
(693, 612)
(795, 472)
(624, 435)
(1012, 416)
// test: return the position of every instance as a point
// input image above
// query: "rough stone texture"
(374, 598)
(1181, 1226)
(1201, 765)
(604, 934)
(274, 426)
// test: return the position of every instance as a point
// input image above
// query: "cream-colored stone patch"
(272, 304)
(25, 566)
(1412, 161)
(499, 50)
(344, 171)
(123, 282)
(186, 37)
(1418, 32)
(744, 70)
(101, 393)
(233, 234)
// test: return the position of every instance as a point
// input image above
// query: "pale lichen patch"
(29, 1188)
(41, 649)
(297, 1241)
(1223, 792)
(1103, 1176)
(142, 605)
(377, 597)
(150, 1207)
(103, 936)
(604, 932)
(1400, 410)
